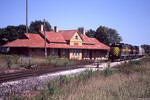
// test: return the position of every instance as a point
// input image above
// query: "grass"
(8, 62)
(134, 66)
(129, 81)
(107, 84)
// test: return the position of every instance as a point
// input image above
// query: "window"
(53, 52)
(72, 52)
(63, 52)
(78, 52)
(85, 53)
(75, 52)
(76, 37)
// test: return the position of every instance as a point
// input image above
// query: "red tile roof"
(35, 40)
(17, 43)
(53, 36)
(56, 40)
(67, 34)
(86, 39)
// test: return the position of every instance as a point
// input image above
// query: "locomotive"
(121, 51)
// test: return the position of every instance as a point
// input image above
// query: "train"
(121, 51)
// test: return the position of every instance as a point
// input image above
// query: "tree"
(113, 35)
(101, 35)
(1, 36)
(106, 35)
(90, 33)
(146, 48)
(21, 29)
(35, 26)
(9, 34)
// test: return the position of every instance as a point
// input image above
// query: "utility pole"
(26, 16)
(45, 40)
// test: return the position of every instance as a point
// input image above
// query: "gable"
(76, 40)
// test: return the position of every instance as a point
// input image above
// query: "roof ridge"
(69, 30)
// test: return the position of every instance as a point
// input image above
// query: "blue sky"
(131, 18)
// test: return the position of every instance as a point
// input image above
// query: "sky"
(131, 18)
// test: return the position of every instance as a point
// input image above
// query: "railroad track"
(24, 74)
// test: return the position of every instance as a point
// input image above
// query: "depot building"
(71, 44)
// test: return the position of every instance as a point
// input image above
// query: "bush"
(55, 58)
(52, 87)
(70, 63)
(133, 63)
(15, 57)
(107, 72)
(65, 80)
(86, 75)
(8, 62)
(49, 58)
(125, 68)
(65, 61)
(141, 69)
(17, 98)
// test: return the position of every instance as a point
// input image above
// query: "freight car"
(121, 51)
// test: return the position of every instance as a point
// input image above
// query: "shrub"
(70, 63)
(52, 87)
(84, 76)
(17, 98)
(58, 63)
(55, 58)
(126, 70)
(65, 61)
(107, 72)
(49, 58)
(133, 63)
(43, 95)
(141, 69)
(65, 80)
(8, 62)
(15, 57)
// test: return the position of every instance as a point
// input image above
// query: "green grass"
(129, 81)
(8, 62)
(107, 84)
(134, 66)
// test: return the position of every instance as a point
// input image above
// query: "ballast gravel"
(37, 82)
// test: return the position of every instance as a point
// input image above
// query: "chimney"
(41, 27)
(56, 29)
(81, 30)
